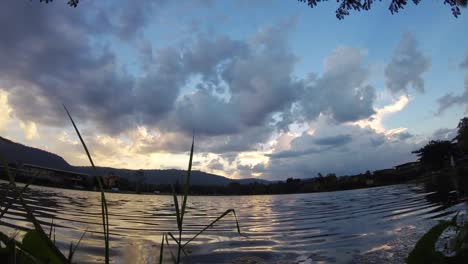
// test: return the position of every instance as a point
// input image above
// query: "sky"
(270, 89)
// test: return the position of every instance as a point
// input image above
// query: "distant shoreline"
(413, 182)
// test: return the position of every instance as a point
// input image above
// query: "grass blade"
(161, 250)
(212, 223)
(170, 250)
(104, 212)
(187, 183)
(5, 209)
(50, 230)
(184, 201)
(30, 215)
(72, 252)
(176, 204)
(177, 242)
(10, 175)
(40, 231)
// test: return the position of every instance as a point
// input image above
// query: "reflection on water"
(368, 225)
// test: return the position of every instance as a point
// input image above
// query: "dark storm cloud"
(255, 74)
(234, 94)
(46, 59)
(294, 153)
(407, 66)
(334, 140)
(215, 164)
(310, 144)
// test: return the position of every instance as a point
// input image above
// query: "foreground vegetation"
(445, 178)
(38, 247)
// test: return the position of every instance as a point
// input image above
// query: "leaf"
(38, 229)
(424, 251)
(35, 244)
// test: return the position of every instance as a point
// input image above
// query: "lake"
(376, 225)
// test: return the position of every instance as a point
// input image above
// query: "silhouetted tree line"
(321, 183)
(445, 162)
(347, 5)
(395, 5)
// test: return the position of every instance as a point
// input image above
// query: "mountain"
(15, 152)
(169, 176)
(252, 180)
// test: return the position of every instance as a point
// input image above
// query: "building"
(111, 180)
(408, 166)
(47, 175)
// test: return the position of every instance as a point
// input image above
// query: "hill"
(15, 152)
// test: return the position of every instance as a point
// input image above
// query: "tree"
(395, 5)
(436, 154)
(139, 180)
(72, 3)
(348, 5)
(462, 134)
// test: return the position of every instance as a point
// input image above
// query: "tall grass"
(104, 212)
(180, 211)
(36, 246)
(32, 247)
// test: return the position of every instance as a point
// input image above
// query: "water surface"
(376, 225)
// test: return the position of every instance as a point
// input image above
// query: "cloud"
(342, 91)
(407, 66)
(233, 93)
(240, 97)
(445, 133)
(5, 110)
(464, 64)
(451, 99)
(376, 120)
(334, 140)
(215, 164)
(30, 130)
(48, 59)
(133, 17)
(404, 135)
(368, 150)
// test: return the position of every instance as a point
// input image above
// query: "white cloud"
(5, 110)
(30, 130)
(376, 120)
